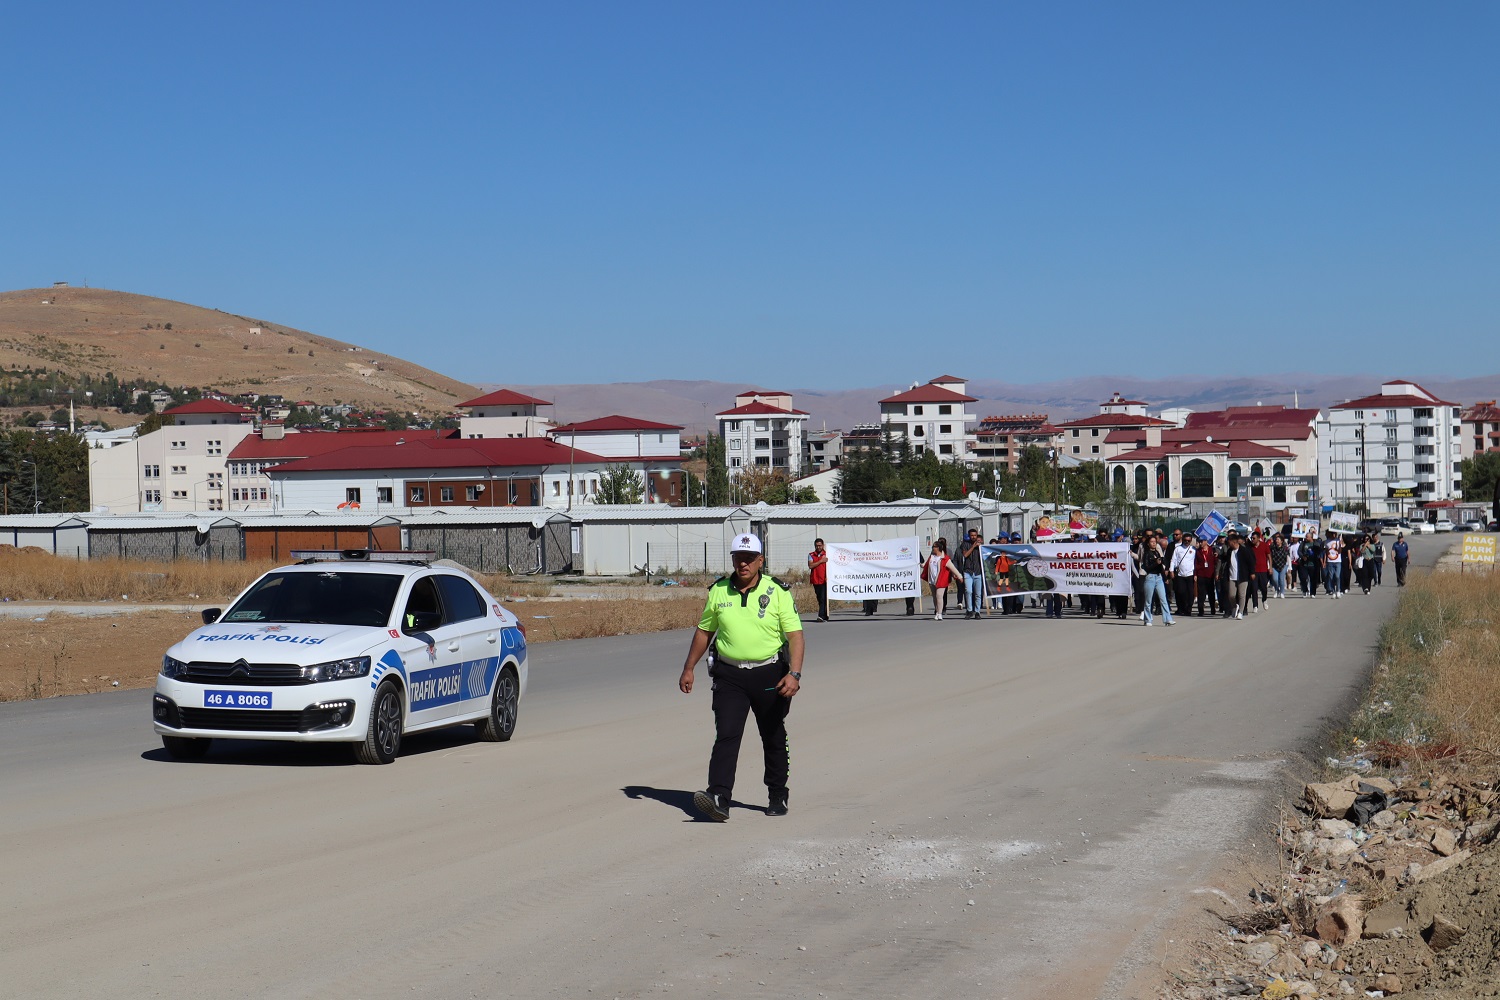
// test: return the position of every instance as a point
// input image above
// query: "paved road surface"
(1000, 808)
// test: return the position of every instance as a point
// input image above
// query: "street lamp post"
(36, 499)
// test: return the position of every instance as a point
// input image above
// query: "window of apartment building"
(152, 496)
(153, 471)
(1427, 467)
(778, 442)
(762, 425)
(762, 442)
(382, 494)
(1359, 414)
(1457, 429)
(351, 494)
(179, 494)
(1458, 485)
(214, 447)
(1390, 416)
(945, 428)
(234, 495)
(734, 463)
(734, 445)
(1390, 454)
(1095, 449)
(944, 409)
(1425, 449)
(1095, 432)
(1390, 433)
(734, 425)
(471, 493)
(178, 445)
(1422, 432)
(1422, 413)
(419, 494)
(445, 493)
(916, 409)
(214, 504)
(763, 460)
(215, 480)
(1075, 432)
(945, 449)
(1359, 487)
(1390, 472)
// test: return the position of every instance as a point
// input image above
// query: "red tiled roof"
(1250, 415)
(1123, 402)
(946, 378)
(310, 443)
(1116, 420)
(614, 422)
(929, 393)
(504, 397)
(208, 406)
(1268, 432)
(762, 392)
(1379, 402)
(445, 453)
(756, 408)
(1253, 449)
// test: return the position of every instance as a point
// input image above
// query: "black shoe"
(715, 807)
(777, 806)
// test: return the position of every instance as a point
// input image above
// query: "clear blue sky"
(823, 195)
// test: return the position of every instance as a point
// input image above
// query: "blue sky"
(830, 195)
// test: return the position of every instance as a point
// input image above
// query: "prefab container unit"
(518, 541)
(788, 532)
(59, 534)
(619, 540)
(157, 538)
(276, 536)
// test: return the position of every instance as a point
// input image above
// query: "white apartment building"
(1401, 439)
(762, 430)
(503, 413)
(932, 418)
(178, 467)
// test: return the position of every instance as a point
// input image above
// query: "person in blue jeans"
(972, 567)
(1154, 563)
(1333, 566)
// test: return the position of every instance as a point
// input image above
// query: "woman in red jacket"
(939, 570)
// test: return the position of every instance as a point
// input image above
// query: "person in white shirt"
(1333, 566)
(1183, 557)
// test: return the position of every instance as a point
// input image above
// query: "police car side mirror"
(211, 615)
(422, 621)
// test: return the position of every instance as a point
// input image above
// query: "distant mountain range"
(693, 404)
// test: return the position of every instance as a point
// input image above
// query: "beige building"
(178, 467)
(503, 413)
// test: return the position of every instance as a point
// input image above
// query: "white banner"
(860, 571)
(1101, 568)
(1346, 524)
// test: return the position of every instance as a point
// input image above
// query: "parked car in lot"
(1442, 524)
(1471, 526)
(1422, 528)
(1394, 525)
(346, 647)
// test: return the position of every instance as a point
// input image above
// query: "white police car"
(345, 647)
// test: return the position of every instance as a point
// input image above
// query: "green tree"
(866, 478)
(620, 484)
(1479, 474)
(153, 421)
(716, 476)
(394, 421)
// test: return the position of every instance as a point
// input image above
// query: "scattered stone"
(1383, 820)
(1340, 921)
(1443, 841)
(1443, 934)
(1388, 983)
(1261, 952)
(1335, 827)
(1438, 867)
(1310, 950)
(1331, 799)
(1385, 918)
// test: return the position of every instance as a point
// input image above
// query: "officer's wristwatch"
(796, 674)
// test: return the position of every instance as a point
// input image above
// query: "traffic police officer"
(756, 667)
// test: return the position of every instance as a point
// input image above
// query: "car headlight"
(173, 669)
(337, 670)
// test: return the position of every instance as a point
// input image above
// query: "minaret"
(72, 424)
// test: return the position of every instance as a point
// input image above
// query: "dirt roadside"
(63, 654)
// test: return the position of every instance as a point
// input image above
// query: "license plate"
(236, 699)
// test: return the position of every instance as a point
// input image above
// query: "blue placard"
(438, 686)
(1212, 527)
(236, 699)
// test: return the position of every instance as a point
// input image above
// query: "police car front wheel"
(383, 738)
(500, 724)
(185, 747)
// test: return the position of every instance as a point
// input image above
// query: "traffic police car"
(345, 647)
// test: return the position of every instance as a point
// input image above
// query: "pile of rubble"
(1385, 889)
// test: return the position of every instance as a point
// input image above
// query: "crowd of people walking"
(1177, 575)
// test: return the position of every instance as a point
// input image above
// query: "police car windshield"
(327, 598)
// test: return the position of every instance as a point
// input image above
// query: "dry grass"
(1437, 688)
(30, 574)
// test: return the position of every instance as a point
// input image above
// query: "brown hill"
(94, 330)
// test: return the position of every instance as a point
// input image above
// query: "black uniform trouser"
(1183, 585)
(1400, 572)
(821, 589)
(1208, 593)
(738, 691)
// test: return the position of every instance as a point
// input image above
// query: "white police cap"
(745, 543)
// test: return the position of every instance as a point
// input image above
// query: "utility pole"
(1054, 481)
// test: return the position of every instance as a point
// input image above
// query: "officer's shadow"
(674, 797)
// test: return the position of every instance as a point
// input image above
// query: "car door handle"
(453, 646)
(490, 637)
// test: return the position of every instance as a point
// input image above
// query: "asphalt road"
(1004, 808)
